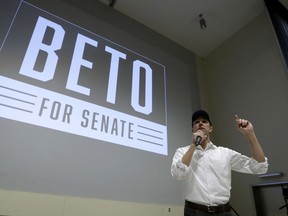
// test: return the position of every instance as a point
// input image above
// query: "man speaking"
(206, 168)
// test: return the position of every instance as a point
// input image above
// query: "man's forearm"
(257, 151)
(186, 159)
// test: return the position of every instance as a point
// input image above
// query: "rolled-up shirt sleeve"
(178, 169)
(242, 163)
(259, 168)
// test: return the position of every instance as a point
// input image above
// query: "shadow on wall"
(271, 199)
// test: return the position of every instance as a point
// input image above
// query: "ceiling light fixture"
(112, 3)
(202, 22)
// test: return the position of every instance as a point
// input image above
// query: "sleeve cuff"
(259, 167)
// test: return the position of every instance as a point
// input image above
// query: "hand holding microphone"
(199, 135)
(198, 140)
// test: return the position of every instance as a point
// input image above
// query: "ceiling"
(178, 20)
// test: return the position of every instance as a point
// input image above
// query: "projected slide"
(58, 75)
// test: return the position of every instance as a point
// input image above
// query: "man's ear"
(211, 128)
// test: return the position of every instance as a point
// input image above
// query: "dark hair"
(200, 113)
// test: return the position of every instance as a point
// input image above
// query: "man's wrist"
(193, 146)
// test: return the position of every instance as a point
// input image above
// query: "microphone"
(198, 140)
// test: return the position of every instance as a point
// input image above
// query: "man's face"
(203, 125)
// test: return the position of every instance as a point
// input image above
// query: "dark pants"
(195, 212)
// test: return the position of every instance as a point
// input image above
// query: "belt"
(219, 208)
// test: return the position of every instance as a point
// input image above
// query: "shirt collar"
(210, 145)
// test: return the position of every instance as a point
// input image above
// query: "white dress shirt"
(208, 178)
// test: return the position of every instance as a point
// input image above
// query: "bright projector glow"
(69, 79)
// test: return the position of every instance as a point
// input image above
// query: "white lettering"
(147, 108)
(77, 62)
(36, 45)
(113, 75)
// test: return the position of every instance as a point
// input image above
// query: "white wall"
(246, 76)
(54, 170)
(18, 203)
